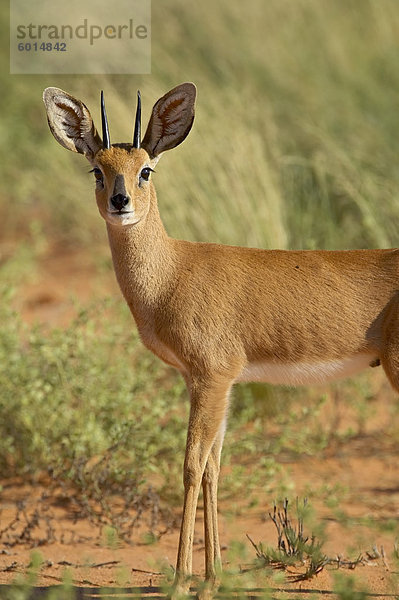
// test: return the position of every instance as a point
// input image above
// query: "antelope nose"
(119, 201)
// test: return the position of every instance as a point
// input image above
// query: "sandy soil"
(68, 542)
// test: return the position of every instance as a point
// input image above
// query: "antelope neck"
(144, 260)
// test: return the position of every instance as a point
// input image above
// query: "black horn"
(137, 124)
(106, 140)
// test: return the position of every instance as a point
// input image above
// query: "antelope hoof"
(208, 591)
(206, 594)
(180, 591)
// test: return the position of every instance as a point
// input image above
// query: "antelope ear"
(171, 120)
(70, 122)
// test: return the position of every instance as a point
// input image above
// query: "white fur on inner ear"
(171, 120)
(70, 122)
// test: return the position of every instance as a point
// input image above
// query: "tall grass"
(295, 143)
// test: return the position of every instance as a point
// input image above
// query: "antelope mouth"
(120, 212)
(121, 217)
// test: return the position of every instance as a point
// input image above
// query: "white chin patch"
(121, 219)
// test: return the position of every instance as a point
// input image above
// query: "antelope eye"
(145, 173)
(97, 174)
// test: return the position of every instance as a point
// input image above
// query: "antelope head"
(122, 172)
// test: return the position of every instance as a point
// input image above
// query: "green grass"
(295, 143)
(294, 545)
(66, 399)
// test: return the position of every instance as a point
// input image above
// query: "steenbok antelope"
(224, 314)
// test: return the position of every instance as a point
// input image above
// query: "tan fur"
(218, 312)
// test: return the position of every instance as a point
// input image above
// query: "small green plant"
(110, 537)
(347, 588)
(293, 545)
(301, 556)
(22, 586)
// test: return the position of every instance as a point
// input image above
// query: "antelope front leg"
(213, 561)
(208, 409)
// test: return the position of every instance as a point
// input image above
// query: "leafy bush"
(73, 397)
